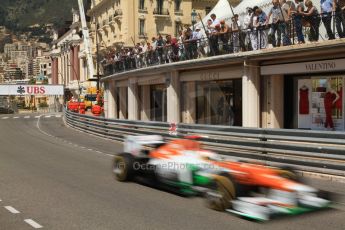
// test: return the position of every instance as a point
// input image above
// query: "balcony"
(178, 12)
(143, 10)
(142, 35)
(161, 12)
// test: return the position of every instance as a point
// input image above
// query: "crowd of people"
(285, 21)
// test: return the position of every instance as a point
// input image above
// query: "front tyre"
(221, 194)
(123, 167)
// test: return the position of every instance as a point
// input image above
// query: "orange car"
(246, 189)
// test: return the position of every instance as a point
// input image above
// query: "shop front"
(212, 97)
(313, 94)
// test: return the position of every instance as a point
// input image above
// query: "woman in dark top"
(312, 17)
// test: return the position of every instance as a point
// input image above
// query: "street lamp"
(194, 14)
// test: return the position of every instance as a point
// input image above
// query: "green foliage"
(45, 81)
(43, 105)
(19, 14)
(32, 81)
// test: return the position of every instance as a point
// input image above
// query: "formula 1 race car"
(249, 190)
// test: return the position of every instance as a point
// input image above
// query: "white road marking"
(48, 116)
(37, 116)
(12, 210)
(109, 155)
(15, 117)
(4, 118)
(58, 116)
(33, 223)
(90, 149)
(26, 117)
(99, 152)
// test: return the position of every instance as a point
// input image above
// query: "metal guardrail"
(312, 151)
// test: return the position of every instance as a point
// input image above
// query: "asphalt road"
(59, 178)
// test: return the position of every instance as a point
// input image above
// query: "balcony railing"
(178, 12)
(142, 10)
(161, 11)
(253, 38)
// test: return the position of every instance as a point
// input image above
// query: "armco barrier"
(312, 151)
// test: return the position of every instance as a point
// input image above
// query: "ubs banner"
(34, 90)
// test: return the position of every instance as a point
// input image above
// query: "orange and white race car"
(246, 189)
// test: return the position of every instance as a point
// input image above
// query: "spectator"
(201, 42)
(312, 17)
(224, 35)
(215, 20)
(247, 27)
(326, 12)
(159, 49)
(213, 37)
(339, 16)
(181, 53)
(288, 8)
(254, 33)
(235, 31)
(278, 25)
(260, 24)
(154, 50)
(298, 20)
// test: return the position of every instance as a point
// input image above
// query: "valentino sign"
(38, 90)
(321, 66)
(305, 67)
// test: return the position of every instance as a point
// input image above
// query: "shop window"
(219, 103)
(141, 27)
(158, 97)
(178, 5)
(141, 4)
(320, 103)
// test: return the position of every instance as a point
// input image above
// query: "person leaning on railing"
(313, 20)
(214, 28)
(235, 31)
(260, 39)
(247, 28)
(224, 35)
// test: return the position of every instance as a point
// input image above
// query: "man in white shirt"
(215, 20)
(235, 30)
(199, 36)
(247, 26)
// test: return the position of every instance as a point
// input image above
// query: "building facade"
(123, 23)
(69, 66)
(298, 87)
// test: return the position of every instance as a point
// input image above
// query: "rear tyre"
(123, 167)
(221, 194)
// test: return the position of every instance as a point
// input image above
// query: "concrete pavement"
(62, 179)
